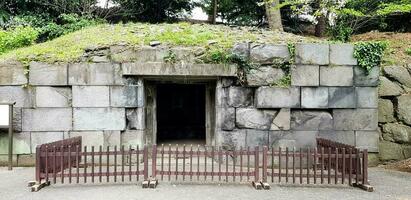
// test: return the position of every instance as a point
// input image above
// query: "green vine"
(291, 50)
(369, 54)
(171, 57)
(286, 67)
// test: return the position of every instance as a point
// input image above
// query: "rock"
(303, 139)
(345, 137)
(231, 139)
(48, 74)
(269, 97)
(361, 78)
(135, 119)
(355, 119)
(264, 76)
(95, 74)
(390, 151)
(284, 144)
(373, 160)
(311, 120)
(91, 96)
(342, 54)
(155, 43)
(47, 119)
(23, 97)
(342, 97)
(282, 121)
(314, 97)
(240, 96)
(389, 88)
(17, 119)
(89, 138)
(21, 143)
(53, 97)
(367, 97)
(38, 138)
(241, 49)
(404, 108)
(253, 118)
(385, 111)
(407, 152)
(227, 118)
(125, 96)
(397, 133)
(315, 54)
(399, 74)
(226, 82)
(367, 140)
(95, 119)
(256, 138)
(133, 137)
(336, 76)
(305, 75)
(112, 138)
(12, 73)
(269, 53)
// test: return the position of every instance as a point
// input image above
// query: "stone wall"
(395, 113)
(103, 97)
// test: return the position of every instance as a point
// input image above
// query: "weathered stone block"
(17, 119)
(346, 137)
(336, 76)
(226, 81)
(399, 74)
(21, 143)
(256, 138)
(385, 111)
(284, 144)
(390, 151)
(112, 138)
(53, 97)
(95, 74)
(268, 97)
(389, 88)
(253, 118)
(91, 96)
(182, 54)
(240, 96)
(39, 138)
(311, 120)
(303, 139)
(367, 97)
(282, 121)
(316, 54)
(361, 78)
(221, 96)
(135, 119)
(342, 97)
(22, 96)
(355, 119)
(314, 97)
(367, 140)
(125, 96)
(99, 119)
(47, 119)
(231, 139)
(226, 118)
(397, 133)
(143, 54)
(342, 54)
(48, 74)
(264, 76)
(404, 108)
(269, 53)
(12, 73)
(305, 75)
(89, 138)
(241, 49)
(133, 137)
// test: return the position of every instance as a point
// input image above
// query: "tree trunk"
(274, 15)
(212, 18)
(320, 27)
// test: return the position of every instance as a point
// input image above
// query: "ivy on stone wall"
(369, 54)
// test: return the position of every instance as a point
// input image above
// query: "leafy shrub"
(369, 54)
(408, 51)
(17, 37)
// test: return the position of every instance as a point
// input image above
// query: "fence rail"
(67, 161)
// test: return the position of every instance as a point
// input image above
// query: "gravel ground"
(388, 185)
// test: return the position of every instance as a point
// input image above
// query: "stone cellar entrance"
(181, 113)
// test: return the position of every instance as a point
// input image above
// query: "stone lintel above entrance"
(179, 69)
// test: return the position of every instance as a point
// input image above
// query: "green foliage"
(408, 51)
(392, 8)
(369, 54)
(17, 37)
(340, 32)
(283, 82)
(291, 50)
(171, 57)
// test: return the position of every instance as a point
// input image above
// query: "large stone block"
(269, 53)
(345, 137)
(241, 49)
(221, 96)
(48, 74)
(95, 74)
(254, 119)
(85, 119)
(226, 118)
(122, 54)
(112, 138)
(342, 54)
(311, 120)
(136, 119)
(399, 74)
(125, 96)
(282, 120)
(17, 119)
(367, 97)
(256, 138)
(316, 54)
(231, 139)
(89, 138)
(385, 111)
(389, 88)
(396, 133)
(133, 137)
(404, 108)
(355, 119)
(47, 119)
(91, 96)
(314, 97)
(361, 78)
(23, 97)
(53, 97)
(336, 76)
(305, 75)
(21, 143)
(264, 76)
(303, 139)
(12, 73)
(390, 151)
(342, 97)
(39, 138)
(367, 140)
(268, 97)
(240, 96)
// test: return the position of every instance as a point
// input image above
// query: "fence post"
(145, 158)
(38, 165)
(265, 149)
(154, 162)
(365, 167)
(256, 165)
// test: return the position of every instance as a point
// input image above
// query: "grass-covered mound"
(70, 48)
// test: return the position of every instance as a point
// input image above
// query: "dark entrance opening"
(181, 113)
